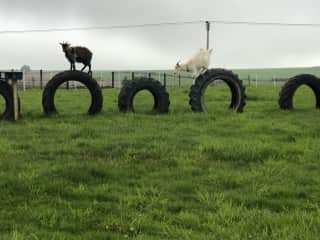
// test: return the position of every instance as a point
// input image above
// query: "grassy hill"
(282, 73)
(263, 74)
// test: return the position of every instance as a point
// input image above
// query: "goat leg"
(195, 72)
(90, 72)
(83, 68)
(203, 70)
(73, 66)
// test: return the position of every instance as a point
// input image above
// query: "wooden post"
(15, 97)
(112, 79)
(33, 83)
(24, 81)
(101, 79)
(164, 79)
(179, 77)
(41, 79)
(249, 80)
(132, 75)
(149, 76)
(119, 79)
(208, 34)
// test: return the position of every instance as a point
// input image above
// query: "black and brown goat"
(77, 54)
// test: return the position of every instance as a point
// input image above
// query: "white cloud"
(158, 48)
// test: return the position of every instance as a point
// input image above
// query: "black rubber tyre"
(84, 78)
(131, 88)
(197, 90)
(288, 90)
(6, 92)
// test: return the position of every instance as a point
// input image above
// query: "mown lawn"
(220, 175)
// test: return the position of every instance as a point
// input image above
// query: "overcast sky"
(235, 46)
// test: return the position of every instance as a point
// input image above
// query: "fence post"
(179, 77)
(112, 80)
(249, 80)
(132, 75)
(24, 80)
(256, 80)
(41, 79)
(149, 75)
(15, 96)
(33, 83)
(164, 79)
(101, 81)
(274, 81)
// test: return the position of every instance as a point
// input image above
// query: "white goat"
(198, 64)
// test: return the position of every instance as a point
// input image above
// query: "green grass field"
(220, 175)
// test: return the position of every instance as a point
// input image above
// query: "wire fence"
(113, 79)
(106, 79)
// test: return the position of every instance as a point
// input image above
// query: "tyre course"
(161, 104)
(132, 87)
(84, 78)
(197, 91)
(288, 90)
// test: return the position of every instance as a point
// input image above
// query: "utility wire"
(224, 22)
(282, 24)
(99, 27)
